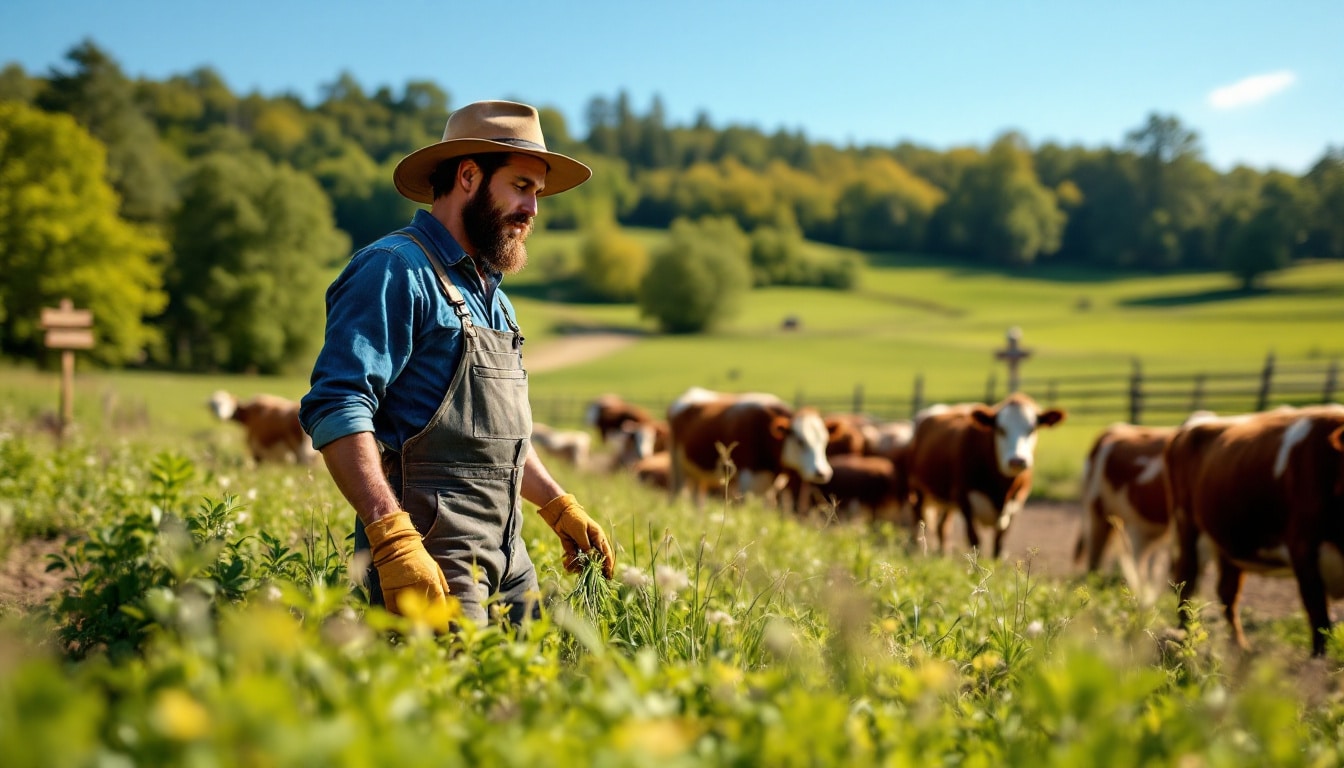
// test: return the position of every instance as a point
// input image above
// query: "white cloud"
(1251, 90)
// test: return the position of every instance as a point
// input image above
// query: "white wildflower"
(721, 618)
(634, 577)
(251, 494)
(1035, 628)
(670, 579)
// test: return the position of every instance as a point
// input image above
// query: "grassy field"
(203, 613)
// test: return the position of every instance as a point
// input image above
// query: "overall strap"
(455, 297)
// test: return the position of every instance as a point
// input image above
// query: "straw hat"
(487, 126)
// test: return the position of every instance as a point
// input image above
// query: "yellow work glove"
(412, 582)
(578, 533)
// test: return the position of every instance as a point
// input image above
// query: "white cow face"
(1014, 423)
(223, 405)
(805, 437)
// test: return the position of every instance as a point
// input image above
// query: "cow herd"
(1255, 493)
(969, 460)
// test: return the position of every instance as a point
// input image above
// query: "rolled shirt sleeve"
(373, 310)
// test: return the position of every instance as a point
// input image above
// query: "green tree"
(102, 99)
(250, 241)
(697, 278)
(1173, 188)
(886, 207)
(1263, 240)
(1000, 212)
(16, 85)
(613, 263)
(1326, 217)
(60, 237)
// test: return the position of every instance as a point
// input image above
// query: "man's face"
(498, 217)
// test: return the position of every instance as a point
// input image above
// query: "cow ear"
(1050, 418)
(983, 417)
(779, 427)
(1337, 439)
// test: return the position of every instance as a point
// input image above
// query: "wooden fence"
(1139, 398)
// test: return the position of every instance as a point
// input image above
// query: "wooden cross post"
(67, 329)
(1013, 354)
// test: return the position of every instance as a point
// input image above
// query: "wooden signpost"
(1013, 354)
(67, 329)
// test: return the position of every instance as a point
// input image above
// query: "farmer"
(419, 397)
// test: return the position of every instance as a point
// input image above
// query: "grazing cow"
(849, 433)
(860, 484)
(566, 444)
(639, 441)
(1124, 487)
(764, 438)
(889, 439)
(977, 460)
(1267, 493)
(609, 414)
(272, 424)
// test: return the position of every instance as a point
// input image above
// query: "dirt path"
(1051, 528)
(574, 349)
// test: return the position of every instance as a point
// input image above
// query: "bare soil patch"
(24, 581)
(1046, 531)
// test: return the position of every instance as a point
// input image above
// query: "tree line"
(197, 223)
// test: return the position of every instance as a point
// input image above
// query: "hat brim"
(411, 176)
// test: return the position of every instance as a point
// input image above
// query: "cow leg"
(999, 533)
(1096, 533)
(1311, 587)
(1230, 578)
(972, 535)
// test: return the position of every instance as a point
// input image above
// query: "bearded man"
(419, 396)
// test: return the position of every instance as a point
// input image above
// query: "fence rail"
(1137, 398)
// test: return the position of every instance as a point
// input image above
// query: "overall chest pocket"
(499, 405)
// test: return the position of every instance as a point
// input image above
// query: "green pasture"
(910, 317)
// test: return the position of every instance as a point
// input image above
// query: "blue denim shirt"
(392, 340)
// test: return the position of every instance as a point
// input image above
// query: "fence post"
(858, 398)
(1266, 380)
(990, 386)
(1331, 381)
(1136, 394)
(917, 399)
(1197, 397)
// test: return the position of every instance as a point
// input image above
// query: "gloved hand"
(577, 532)
(405, 568)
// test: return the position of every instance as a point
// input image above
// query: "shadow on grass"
(1220, 295)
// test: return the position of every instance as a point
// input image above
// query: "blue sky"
(1262, 83)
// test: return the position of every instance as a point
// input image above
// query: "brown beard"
(489, 229)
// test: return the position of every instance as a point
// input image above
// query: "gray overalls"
(460, 478)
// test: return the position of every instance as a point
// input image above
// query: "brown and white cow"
(1267, 492)
(638, 441)
(608, 415)
(763, 437)
(1124, 487)
(272, 425)
(568, 445)
(977, 460)
(859, 486)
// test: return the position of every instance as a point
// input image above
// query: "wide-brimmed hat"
(487, 126)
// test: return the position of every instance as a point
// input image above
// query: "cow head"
(804, 436)
(1014, 423)
(635, 442)
(223, 405)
